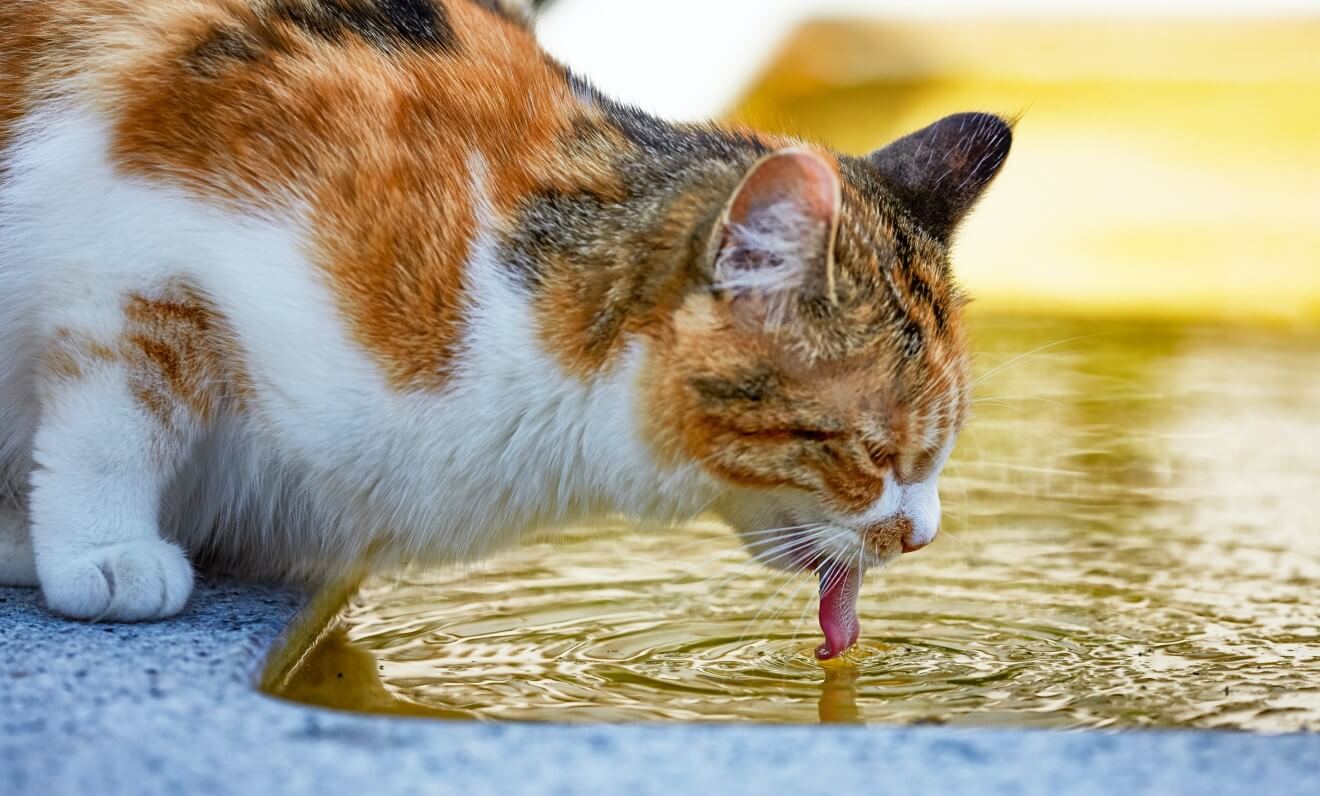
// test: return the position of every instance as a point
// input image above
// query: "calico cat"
(287, 284)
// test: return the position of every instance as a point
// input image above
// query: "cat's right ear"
(776, 235)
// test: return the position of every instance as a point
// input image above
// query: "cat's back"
(383, 135)
(266, 90)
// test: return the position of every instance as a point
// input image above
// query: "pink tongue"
(838, 611)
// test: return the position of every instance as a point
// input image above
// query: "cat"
(291, 284)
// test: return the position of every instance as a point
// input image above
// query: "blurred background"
(1167, 161)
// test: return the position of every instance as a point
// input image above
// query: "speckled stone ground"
(171, 708)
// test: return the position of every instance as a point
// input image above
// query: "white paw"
(129, 582)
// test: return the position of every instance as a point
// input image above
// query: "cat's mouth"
(839, 557)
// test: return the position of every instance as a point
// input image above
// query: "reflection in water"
(838, 695)
(1129, 542)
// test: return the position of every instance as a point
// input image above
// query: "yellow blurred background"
(1167, 168)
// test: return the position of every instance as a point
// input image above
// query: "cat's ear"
(776, 235)
(938, 173)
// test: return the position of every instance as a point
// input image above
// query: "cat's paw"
(130, 582)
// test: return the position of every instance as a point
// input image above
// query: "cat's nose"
(919, 535)
(900, 532)
(906, 519)
(895, 532)
(912, 542)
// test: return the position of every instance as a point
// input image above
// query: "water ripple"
(1137, 550)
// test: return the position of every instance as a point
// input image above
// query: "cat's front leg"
(110, 438)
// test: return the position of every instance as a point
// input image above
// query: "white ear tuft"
(771, 252)
(776, 238)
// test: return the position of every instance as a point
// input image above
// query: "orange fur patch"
(24, 25)
(377, 145)
(181, 352)
(178, 352)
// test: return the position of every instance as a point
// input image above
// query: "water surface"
(1130, 540)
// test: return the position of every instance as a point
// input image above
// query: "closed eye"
(814, 434)
(923, 467)
(881, 456)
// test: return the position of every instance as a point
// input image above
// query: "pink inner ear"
(797, 176)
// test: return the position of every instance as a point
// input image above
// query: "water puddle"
(1131, 540)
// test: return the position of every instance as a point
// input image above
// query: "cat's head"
(823, 377)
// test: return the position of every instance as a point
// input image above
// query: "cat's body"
(293, 282)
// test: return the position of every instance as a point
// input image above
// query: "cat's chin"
(786, 540)
(837, 556)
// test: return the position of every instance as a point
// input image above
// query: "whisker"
(790, 528)
(802, 617)
(789, 578)
(1011, 400)
(977, 381)
(813, 533)
(803, 581)
(834, 573)
(781, 553)
(785, 553)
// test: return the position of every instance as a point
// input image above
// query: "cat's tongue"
(838, 611)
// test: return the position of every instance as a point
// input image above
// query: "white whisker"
(977, 381)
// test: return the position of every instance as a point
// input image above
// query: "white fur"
(786, 242)
(329, 460)
(806, 530)
(918, 501)
(921, 504)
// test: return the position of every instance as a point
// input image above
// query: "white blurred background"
(690, 59)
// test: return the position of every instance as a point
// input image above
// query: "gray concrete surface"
(171, 708)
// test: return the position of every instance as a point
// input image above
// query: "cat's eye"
(881, 456)
(923, 466)
(814, 434)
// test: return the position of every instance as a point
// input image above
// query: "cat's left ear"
(939, 172)
(776, 235)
